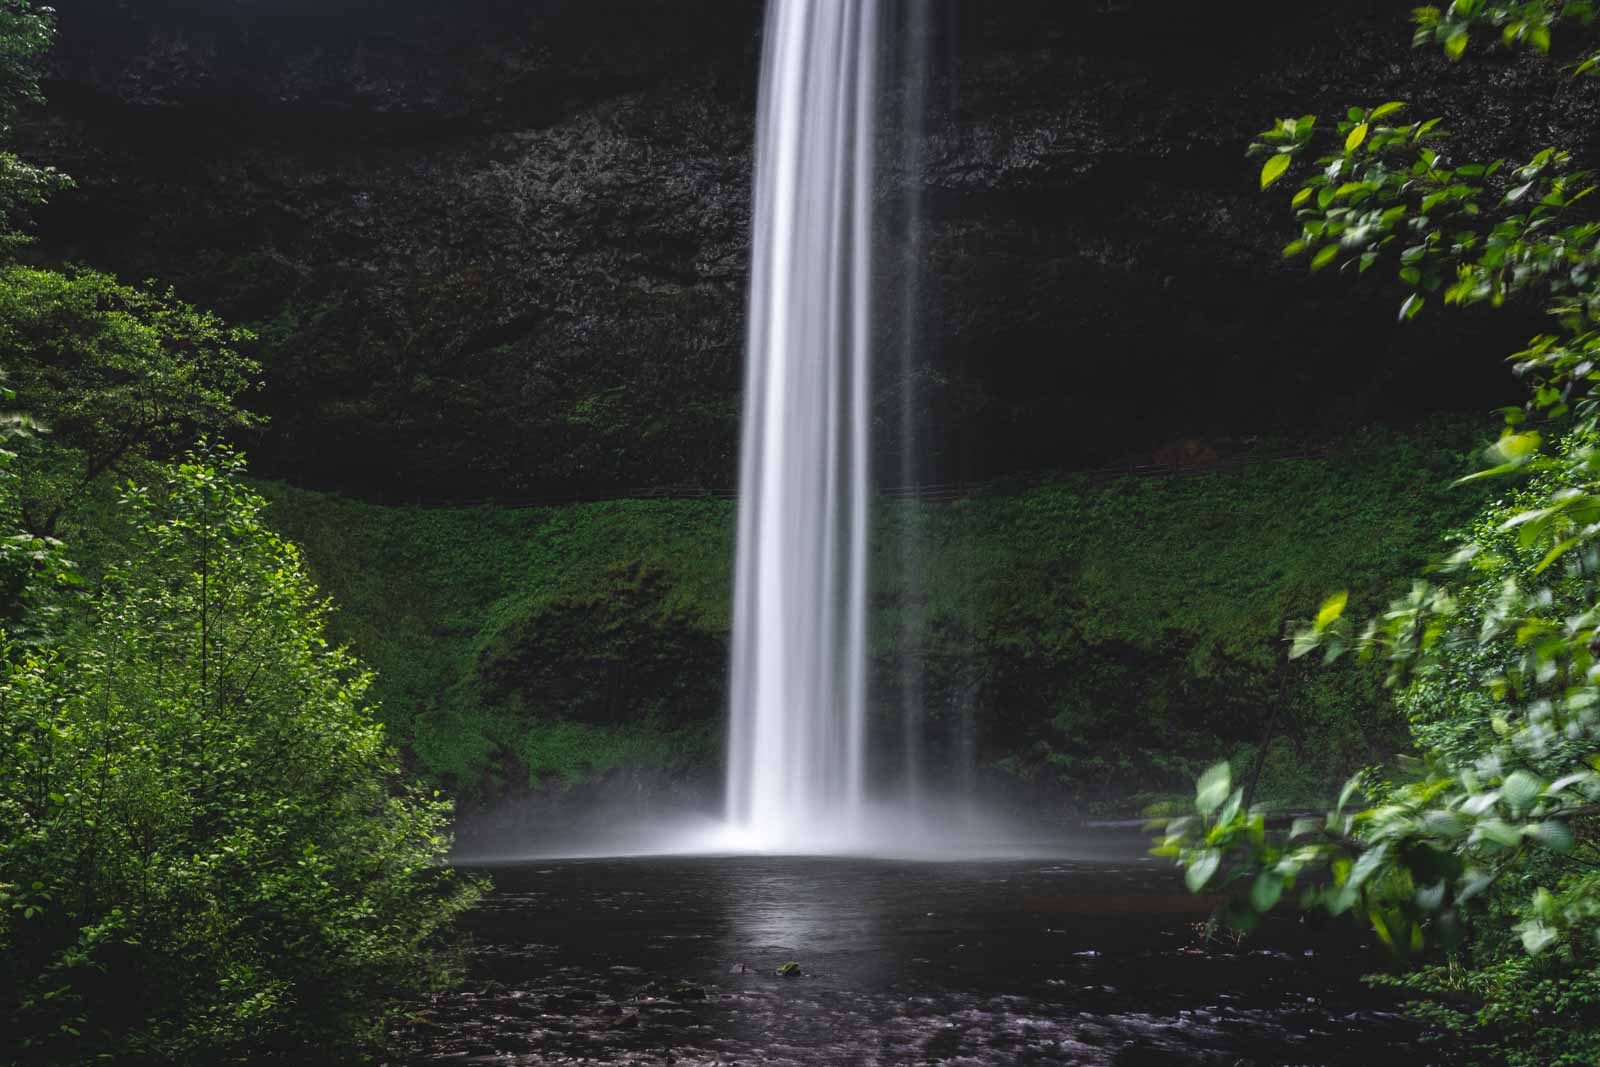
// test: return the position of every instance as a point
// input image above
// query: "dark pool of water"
(1064, 961)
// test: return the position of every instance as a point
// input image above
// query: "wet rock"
(501, 248)
(570, 1000)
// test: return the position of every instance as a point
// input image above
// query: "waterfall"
(797, 760)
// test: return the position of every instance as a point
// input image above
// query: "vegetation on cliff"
(554, 644)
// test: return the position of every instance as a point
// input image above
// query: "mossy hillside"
(1108, 634)
(450, 604)
(1130, 629)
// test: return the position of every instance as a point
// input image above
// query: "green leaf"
(1332, 608)
(1500, 832)
(1366, 866)
(1555, 836)
(1356, 137)
(1536, 936)
(1412, 305)
(1456, 44)
(1267, 889)
(1383, 111)
(1274, 167)
(1324, 257)
(1556, 553)
(1201, 869)
(1493, 472)
(1230, 810)
(1521, 790)
(1349, 790)
(1213, 788)
(1515, 446)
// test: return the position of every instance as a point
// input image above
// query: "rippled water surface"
(1065, 961)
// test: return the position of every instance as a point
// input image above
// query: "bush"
(209, 851)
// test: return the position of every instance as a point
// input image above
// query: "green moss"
(440, 600)
(1117, 631)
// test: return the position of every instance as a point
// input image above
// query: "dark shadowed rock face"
(499, 247)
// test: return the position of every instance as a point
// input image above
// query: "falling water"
(797, 745)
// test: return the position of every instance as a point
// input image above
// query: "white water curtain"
(797, 742)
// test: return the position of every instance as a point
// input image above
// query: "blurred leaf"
(1332, 608)
(1267, 889)
(1201, 868)
(1213, 788)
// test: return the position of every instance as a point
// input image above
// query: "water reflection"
(1056, 962)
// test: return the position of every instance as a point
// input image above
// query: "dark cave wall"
(499, 248)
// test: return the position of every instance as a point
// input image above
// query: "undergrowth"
(1115, 634)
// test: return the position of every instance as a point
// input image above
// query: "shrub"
(207, 847)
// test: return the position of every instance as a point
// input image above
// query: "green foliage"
(118, 374)
(1524, 23)
(1518, 1011)
(1470, 233)
(26, 33)
(550, 644)
(556, 644)
(1486, 847)
(210, 852)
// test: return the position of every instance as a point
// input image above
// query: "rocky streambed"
(1094, 956)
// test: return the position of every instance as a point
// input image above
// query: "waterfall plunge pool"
(1092, 957)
